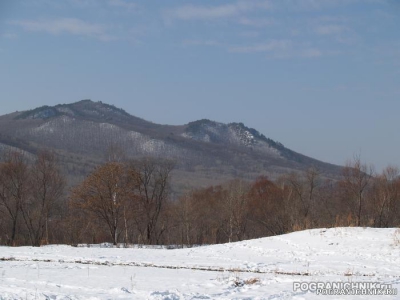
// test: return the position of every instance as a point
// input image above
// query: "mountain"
(206, 152)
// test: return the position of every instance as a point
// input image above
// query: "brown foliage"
(14, 187)
(354, 186)
(269, 206)
(151, 183)
(29, 193)
(129, 202)
(46, 187)
(106, 194)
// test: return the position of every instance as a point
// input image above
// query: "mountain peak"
(204, 149)
(42, 112)
(85, 101)
(83, 108)
(235, 133)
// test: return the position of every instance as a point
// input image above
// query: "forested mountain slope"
(206, 152)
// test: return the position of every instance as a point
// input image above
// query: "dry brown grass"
(250, 281)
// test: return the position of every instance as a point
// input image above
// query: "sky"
(320, 76)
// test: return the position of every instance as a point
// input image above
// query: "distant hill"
(206, 152)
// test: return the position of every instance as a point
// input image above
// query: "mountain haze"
(206, 152)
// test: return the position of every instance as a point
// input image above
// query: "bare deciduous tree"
(184, 215)
(356, 179)
(385, 198)
(269, 206)
(115, 153)
(14, 187)
(301, 188)
(235, 204)
(105, 193)
(152, 189)
(46, 188)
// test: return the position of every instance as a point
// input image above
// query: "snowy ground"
(257, 269)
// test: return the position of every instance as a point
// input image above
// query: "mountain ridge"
(206, 151)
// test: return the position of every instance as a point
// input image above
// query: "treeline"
(30, 193)
(128, 201)
(241, 210)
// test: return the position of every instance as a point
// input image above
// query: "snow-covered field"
(257, 269)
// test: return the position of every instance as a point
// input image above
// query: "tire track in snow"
(195, 268)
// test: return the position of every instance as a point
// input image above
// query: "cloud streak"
(330, 29)
(200, 43)
(272, 49)
(279, 49)
(273, 45)
(256, 22)
(65, 26)
(199, 12)
(129, 6)
(315, 5)
(10, 36)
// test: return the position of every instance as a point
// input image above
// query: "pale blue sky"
(320, 76)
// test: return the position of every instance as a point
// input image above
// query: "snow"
(214, 132)
(255, 269)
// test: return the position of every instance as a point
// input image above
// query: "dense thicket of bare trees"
(126, 201)
(106, 194)
(46, 187)
(29, 191)
(151, 183)
(14, 180)
(129, 198)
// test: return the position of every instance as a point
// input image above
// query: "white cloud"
(273, 45)
(330, 29)
(198, 12)
(249, 34)
(66, 25)
(304, 4)
(98, 5)
(11, 36)
(311, 53)
(310, 5)
(274, 49)
(200, 43)
(191, 12)
(130, 6)
(241, 7)
(84, 3)
(256, 22)
(280, 49)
